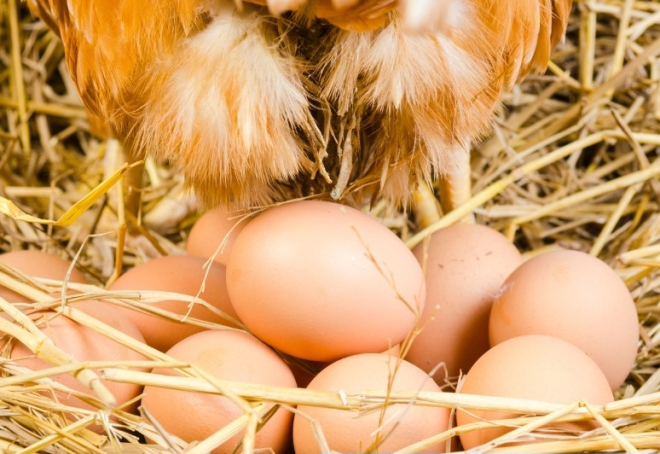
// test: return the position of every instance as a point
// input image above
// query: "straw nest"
(572, 161)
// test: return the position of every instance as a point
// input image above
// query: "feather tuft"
(226, 100)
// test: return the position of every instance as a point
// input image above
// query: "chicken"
(269, 100)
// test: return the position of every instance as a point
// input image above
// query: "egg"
(225, 355)
(576, 297)
(84, 344)
(37, 264)
(534, 367)
(465, 265)
(178, 274)
(349, 431)
(321, 281)
(209, 232)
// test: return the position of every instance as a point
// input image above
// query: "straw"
(570, 161)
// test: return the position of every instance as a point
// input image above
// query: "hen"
(273, 99)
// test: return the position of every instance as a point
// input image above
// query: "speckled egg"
(465, 265)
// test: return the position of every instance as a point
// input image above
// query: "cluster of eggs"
(333, 287)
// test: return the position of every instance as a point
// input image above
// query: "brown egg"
(210, 230)
(84, 344)
(37, 264)
(466, 265)
(226, 355)
(576, 297)
(534, 367)
(321, 281)
(178, 274)
(349, 431)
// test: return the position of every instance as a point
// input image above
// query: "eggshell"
(532, 367)
(37, 264)
(349, 431)
(321, 281)
(466, 264)
(576, 297)
(209, 232)
(84, 344)
(225, 355)
(179, 274)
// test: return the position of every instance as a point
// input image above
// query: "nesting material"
(570, 162)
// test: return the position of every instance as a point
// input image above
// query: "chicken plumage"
(257, 105)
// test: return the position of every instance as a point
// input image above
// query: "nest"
(571, 162)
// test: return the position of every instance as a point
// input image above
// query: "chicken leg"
(455, 184)
(454, 187)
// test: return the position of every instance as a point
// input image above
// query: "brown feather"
(254, 107)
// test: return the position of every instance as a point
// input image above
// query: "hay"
(571, 161)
